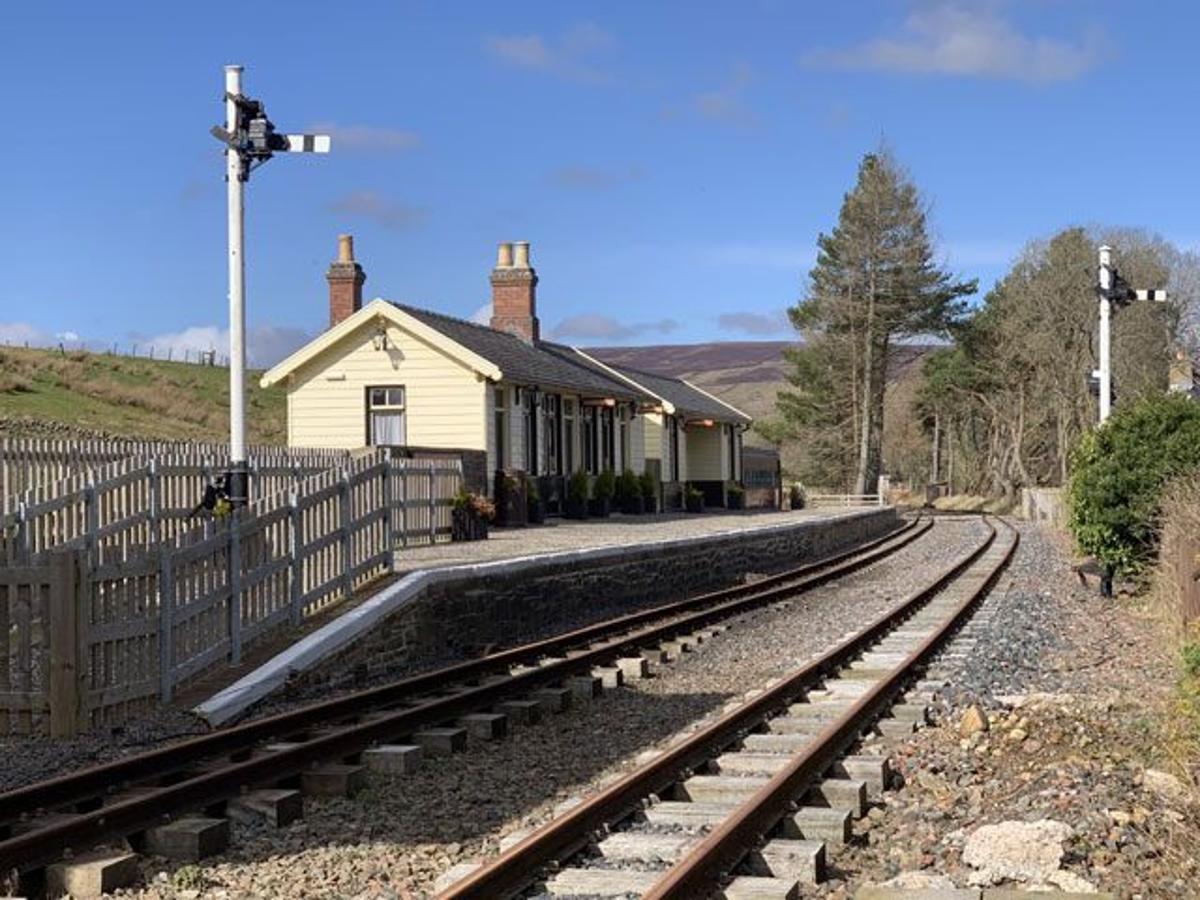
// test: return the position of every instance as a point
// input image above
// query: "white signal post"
(1113, 288)
(239, 467)
(1104, 373)
(250, 141)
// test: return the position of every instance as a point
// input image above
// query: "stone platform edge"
(234, 700)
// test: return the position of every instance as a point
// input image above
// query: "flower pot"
(466, 525)
(576, 508)
(599, 507)
(633, 506)
(695, 503)
(649, 505)
(735, 500)
(536, 512)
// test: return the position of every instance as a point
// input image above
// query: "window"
(625, 427)
(591, 442)
(386, 417)
(568, 434)
(673, 446)
(606, 438)
(529, 430)
(500, 424)
(551, 422)
(733, 442)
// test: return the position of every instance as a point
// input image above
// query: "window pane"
(378, 396)
(387, 429)
(499, 399)
(395, 396)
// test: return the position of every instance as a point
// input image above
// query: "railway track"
(743, 809)
(253, 768)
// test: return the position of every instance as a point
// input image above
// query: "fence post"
(295, 545)
(91, 518)
(66, 669)
(166, 624)
(235, 588)
(432, 506)
(389, 532)
(155, 504)
(404, 505)
(344, 521)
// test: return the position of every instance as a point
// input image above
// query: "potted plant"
(693, 499)
(796, 496)
(577, 496)
(735, 497)
(534, 505)
(649, 492)
(629, 494)
(469, 516)
(510, 499)
(603, 489)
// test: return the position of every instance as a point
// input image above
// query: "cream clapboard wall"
(706, 454)
(445, 401)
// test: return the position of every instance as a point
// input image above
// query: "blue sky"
(671, 163)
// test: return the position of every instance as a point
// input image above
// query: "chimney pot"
(345, 278)
(514, 292)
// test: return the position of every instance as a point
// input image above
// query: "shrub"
(1117, 476)
(648, 485)
(577, 487)
(797, 497)
(605, 485)
(1191, 658)
(627, 488)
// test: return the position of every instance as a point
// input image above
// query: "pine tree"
(875, 281)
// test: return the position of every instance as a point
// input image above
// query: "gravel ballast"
(398, 836)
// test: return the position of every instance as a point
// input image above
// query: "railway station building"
(498, 395)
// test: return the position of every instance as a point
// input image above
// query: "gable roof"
(679, 397)
(540, 364)
(374, 310)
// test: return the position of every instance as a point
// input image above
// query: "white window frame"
(388, 405)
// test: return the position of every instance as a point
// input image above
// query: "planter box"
(649, 505)
(694, 503)
(576, 509)
(598, 508)
(465, 525)
(633, 506)
(735, 500)
(536, 511)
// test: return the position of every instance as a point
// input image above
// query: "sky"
(671, 163)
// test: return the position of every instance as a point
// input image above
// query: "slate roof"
(687, 400)
(542, 364)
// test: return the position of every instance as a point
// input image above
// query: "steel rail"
(84, 784)
(700, 872)
(514, 870)
(35, 848)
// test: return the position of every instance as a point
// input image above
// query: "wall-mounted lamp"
(380, 339)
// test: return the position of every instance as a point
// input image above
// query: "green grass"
(132, 397)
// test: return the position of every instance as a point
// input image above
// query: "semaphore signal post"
(250, 140)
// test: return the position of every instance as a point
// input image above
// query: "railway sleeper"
(754, 887)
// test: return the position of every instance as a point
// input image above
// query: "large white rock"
(1020, 851)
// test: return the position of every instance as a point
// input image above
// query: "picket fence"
(34, 470)
(99, 629)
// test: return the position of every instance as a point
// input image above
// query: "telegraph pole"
(239, 470)
(250, 140)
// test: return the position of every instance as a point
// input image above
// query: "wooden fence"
(98, 634)
(47, 466)
(1181, 555)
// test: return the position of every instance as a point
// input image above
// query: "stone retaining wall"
(515, 601)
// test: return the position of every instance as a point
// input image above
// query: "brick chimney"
(345, 278)
(514, 292)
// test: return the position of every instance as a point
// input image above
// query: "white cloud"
(265, 344)
(368, 138)
(572, 56)
(727, 103)
(20, 333)
(372, 205)
(758, 324)
(482, 316)
(593, 177)
(970, 40)
(593, 326)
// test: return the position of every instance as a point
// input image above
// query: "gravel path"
(1079, 698)
(398, 837)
